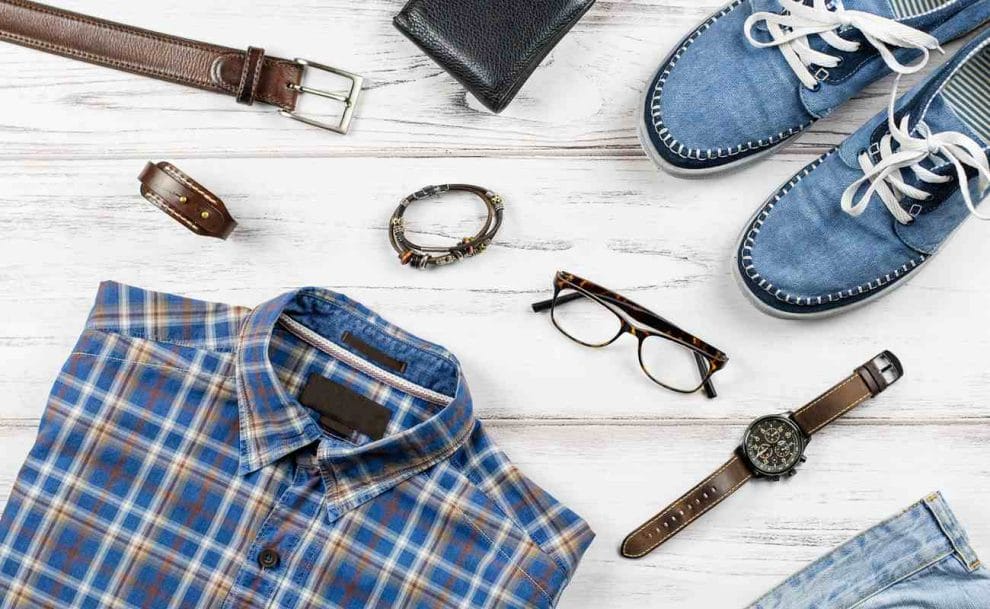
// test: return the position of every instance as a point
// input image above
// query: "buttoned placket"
(272, 560)
(330, 478)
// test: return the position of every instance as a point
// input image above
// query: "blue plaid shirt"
(175, 467)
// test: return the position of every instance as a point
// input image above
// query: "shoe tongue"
(883, 8)
(940, 112)
(961, 105)
(937, 220)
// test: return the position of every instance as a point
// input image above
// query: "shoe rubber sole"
(647, 145)
(763, 307)
(693, 174)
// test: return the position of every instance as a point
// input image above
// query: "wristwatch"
(772, 448)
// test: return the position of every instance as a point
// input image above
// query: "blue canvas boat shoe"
(759, 72)
(862, 219)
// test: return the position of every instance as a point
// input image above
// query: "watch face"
(774, 445)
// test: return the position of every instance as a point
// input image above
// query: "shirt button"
(268, 558)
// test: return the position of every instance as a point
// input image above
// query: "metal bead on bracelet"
(421, 257)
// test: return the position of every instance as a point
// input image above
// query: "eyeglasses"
(596, 317)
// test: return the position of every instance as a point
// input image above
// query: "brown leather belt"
(249, 76)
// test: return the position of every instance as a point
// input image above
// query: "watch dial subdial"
(774, 445)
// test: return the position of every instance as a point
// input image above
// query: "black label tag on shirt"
(376, 355)
(344, 412)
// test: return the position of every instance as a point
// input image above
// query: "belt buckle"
(350, 100)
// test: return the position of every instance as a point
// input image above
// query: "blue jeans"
(918, 559)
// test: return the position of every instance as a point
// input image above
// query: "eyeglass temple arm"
(703, 370)
(544, 305)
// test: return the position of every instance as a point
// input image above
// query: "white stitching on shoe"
(750, 241)
(696, 153)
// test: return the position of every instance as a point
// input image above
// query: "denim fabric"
(717, 99)
(801, 253)
(174, 456)
(919, 558)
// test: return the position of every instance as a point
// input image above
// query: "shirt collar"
(274, 424)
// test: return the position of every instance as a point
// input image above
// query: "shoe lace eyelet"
(816, 88)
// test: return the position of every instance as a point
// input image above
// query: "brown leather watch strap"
(249, 76)
(185, 200)
(867, 381)
(706, 495)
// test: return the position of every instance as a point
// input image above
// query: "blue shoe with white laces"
(861, 220)
(759, 72)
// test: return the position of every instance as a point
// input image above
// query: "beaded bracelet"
(421, 257)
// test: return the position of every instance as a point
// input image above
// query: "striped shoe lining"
(904, 9)
(968, 93)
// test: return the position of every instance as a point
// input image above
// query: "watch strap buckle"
(881, 372)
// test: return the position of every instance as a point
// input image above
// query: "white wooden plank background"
(313, 209)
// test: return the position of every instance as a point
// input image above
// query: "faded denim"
(717, 101)
(801, 255)
(920, 558)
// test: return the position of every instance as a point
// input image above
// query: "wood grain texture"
(580, 196)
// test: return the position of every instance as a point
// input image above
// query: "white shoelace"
(885, 177)
(789, 32)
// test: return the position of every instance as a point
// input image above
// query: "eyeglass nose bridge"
(706, 366)
(637, 333)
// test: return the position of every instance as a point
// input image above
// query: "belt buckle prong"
(350, 100)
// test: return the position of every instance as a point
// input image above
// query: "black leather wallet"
(490, 46)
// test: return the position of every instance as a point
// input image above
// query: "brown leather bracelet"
(421, 257)
(867, 381)
(185, 200)
(249, 76)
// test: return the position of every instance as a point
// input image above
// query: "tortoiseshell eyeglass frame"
(709, 359)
